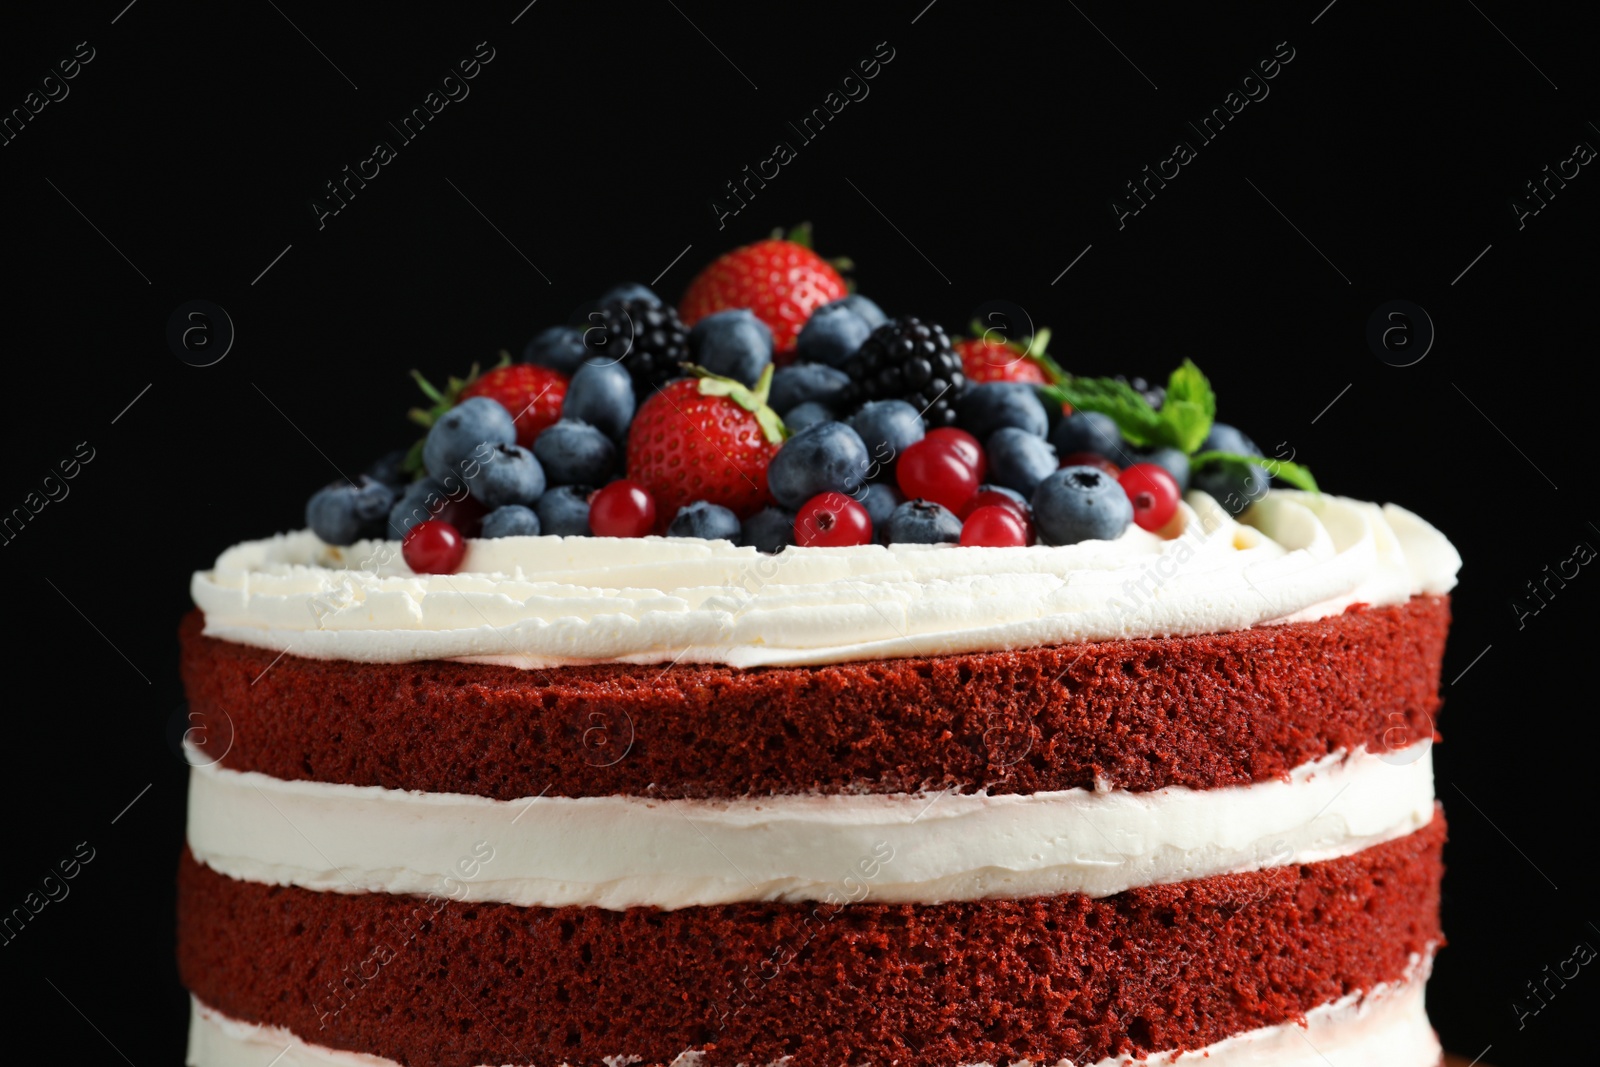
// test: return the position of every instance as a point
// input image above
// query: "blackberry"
(649, 338)
(911, 360)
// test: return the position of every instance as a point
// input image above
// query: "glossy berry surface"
(1019, 460)
(832, 520)
(911, 360)
(922, 522)
(622, 509)
(994, 526)
(782, 281)
(990, 495)
(434, 547)
(935, 470)
(965, 445)
(1080, 504)
(1153, 494)
(531, 394)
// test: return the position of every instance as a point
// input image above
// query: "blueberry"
(513, 520)
(422, 500)
(922, 522)
(732, 343)
(768, 530)
(808, 414)
(574, 453)
(629, 291)
(820, 458)
(990, 487)
(1233, 485)
(799, 382)
(1019, 460)
(507, 474)
(865, 308)
(995, 405)
(1080, 504)
(880, 499)
(460, 431)
(1171, 460)
(704, 519)
(390, 469)
(887, 428)
(1224, 438)
(342, 514)
(558, 347)
(601, 394)
(1091, 431)
(832, 334)
(564, 511)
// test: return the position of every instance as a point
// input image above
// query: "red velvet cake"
(1066, 770)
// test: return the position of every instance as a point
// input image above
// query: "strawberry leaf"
(752, 400)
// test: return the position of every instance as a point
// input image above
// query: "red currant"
(985, 498)
(1091, 459)
(934, 470)
(995, 526)
(622, 509)
(433, 547)
(965, 445)
(1154, 494)
(832, 520)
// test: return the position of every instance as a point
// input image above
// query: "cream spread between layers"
(551, 601)
(1384, 1027)
(619, 851)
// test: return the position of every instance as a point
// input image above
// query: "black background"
(983, 162)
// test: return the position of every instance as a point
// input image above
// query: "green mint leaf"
(1290, 473)
(1190, 407)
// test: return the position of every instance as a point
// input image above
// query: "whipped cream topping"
(1384, 1027)
(536, 602)
(621, 851)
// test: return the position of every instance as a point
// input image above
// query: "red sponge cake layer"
(459, 984)
(1220, 709)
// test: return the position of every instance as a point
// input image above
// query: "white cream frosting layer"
(1387, 1027)
(619, 852)
(552, 601)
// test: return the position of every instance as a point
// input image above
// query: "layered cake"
(658, 765)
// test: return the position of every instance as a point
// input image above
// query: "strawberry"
(532, 394)
(991, 358)
(705, 438)
(781, 280)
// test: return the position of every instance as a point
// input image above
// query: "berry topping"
(700, 519)
(732, 343)
(462, 431)
(994, 526)
(801, 382)
(808, 414)
(983, 409)
(867, 309)
(1153, 494)
(1234, 485)
(564, 511)
(513, 520)
(832, 520)
(966, 446)
(622, 509)
(1090, 431)
(1019, 460)
(645, 337)
(560, 348)
(833, 334)
(828, 456)
(706, 438)
(1091, 459)
(880, 499)
(935, 470)
(911, 360)
(506, 474)
(989, 357)
(601, 394)
(781, 280)
(768, 530)
(575, 453)
(1171, 460)
(434, 547)
(922, 522)
(989, 496)
(532, 395)
(342, 514)
(629, 291)
(1080, 504)
(887, 428)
